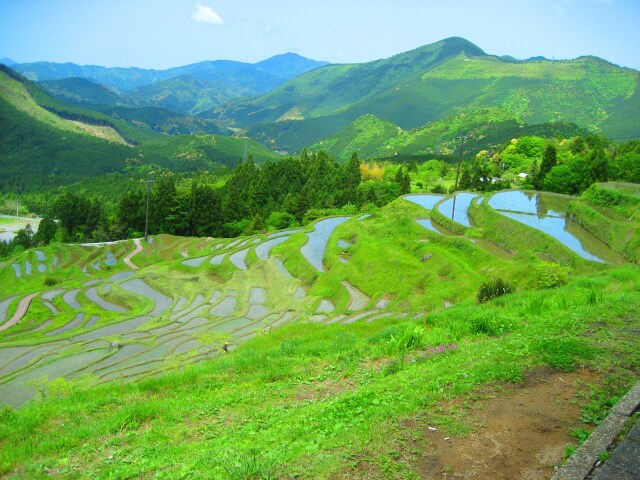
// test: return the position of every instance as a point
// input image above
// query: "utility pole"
(146, 221)
(462, 138)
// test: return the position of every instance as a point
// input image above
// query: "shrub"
(550, 275)
(50, 281)
(493, 288)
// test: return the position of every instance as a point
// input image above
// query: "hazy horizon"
(161, 34)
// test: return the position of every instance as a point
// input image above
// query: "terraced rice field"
(114, 312)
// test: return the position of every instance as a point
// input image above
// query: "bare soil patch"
(519, 433)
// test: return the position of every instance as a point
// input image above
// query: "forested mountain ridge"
(448, 79)
(46, 142)
(186, 89)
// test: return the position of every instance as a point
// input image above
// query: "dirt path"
(23, 306)
(138, 249)
(519, 434)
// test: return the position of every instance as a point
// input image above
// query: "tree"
(46, 232)
(549, 161)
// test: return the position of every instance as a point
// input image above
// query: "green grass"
(323, 393)
(309, 399)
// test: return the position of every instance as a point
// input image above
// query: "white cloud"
(205, 14)
(268, 28)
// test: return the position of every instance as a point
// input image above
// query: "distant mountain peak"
(288, 65)
(7, 61)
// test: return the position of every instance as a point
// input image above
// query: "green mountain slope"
(44, 141)
(187, 94)
(81, 91)
(334, 88)
(449, 78)
(488, 129)
(90, 95)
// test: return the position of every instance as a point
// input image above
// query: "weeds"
(493, 288)
(251, 466)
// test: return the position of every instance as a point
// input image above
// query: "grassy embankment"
(319, 401)
(315, 400)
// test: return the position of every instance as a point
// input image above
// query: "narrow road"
(138, 249)
(23, 306)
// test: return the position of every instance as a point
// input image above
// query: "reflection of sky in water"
(6, 236)
(425, 201)
(426, 223)
(517, 201)
(263, 250)
(111, 260)
(463, 200)
(556, 227)
(314, 249)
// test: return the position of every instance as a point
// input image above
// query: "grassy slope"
(19, 97)
(331, 396)
(325, 394)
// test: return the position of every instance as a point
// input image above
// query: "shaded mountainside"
(98, 98)
(81, 91)
(45, 141)
(451, 78)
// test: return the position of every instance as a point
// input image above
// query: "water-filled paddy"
(238, 259)
(225, 308)
(217, 260)
(426, 223)
(281, 268)
(15, 392)
(284, 233)
(4, 306)
(92, 294)
(545, 212)
(263, 250)
(427, 201)
(138, 287)
(114, 329)
(194, 262)
(326, 306)
(462, 203)
(70, 298)
(75, 323)
(315, 247)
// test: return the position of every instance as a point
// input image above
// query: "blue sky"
(166, 33)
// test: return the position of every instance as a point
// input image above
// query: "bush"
(550, 275)
(50, 281)
(493, 288)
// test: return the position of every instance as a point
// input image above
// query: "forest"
(297, 190)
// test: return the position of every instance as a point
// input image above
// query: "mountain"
(377, 138)
(193, 93)
(96, 97)
(81, 91)
(187, 89)
(333, 89)
(46, 142)
(289, 65)
(450, 78)
(7, 61)
(260, 76)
